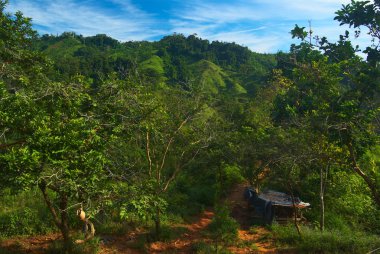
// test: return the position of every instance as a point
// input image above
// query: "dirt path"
(257, 238)
(194, 234)
(33, 244)
(252, 239)
(130, 243)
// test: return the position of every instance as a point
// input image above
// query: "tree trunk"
(49, 204)
(157, 222)
(321, 195)
(64, 221)
(295, 211)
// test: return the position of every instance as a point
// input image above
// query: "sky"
(261, 25)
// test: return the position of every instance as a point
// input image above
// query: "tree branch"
(148, 153)
(371, 184)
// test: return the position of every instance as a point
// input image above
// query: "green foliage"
(23, 222)
(223, 227)
(299, 32)
(114, 226)
(330, 241)
(153, 131)
(205, 248)
(172, 60)
(25, 214)
(153, 70)
(359, 14)
(231, 175)
(210, 76)
(169, 233)
(142, 205)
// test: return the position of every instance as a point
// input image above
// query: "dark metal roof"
(281, 199)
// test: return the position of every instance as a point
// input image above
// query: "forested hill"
(143, 137)
(175, 59)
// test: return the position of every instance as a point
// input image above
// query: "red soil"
(255, 240)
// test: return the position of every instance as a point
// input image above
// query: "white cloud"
(231, 21)
(299, 9)
(262, 25)
(254, 10)
(263, 44)
(59, 16)
(218, 13)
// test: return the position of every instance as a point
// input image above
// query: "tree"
(49, 137)
(359, 14)
(61, 151)
(176, 133)
(155, 134)
(336, 96)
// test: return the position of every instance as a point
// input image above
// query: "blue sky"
(261, 25)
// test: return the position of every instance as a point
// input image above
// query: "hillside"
(174, 59)
(183, 145)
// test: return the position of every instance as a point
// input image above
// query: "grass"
(329, 241)
(170, 233)
(206, 248)
(114, 227)
(253, 230)
(89, 247)
(24, 214)
(247, 244)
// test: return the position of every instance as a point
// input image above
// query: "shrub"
(24, 214)
(232, 175)
(223, 227)
(24, 221)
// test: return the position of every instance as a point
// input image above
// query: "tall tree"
(49, 137)
(337, 96)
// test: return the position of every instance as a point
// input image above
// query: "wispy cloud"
(54, 16)
(249, 39)
(218, 12)
(233, 21)
(262, 25)
(298, 9)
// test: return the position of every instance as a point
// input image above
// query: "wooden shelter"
(273, 205)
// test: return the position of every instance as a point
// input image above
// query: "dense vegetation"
(147, 133)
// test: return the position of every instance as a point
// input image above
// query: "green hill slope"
(175, 59)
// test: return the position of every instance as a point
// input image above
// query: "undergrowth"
(329, 241)
(223, 228)
(89, 247)
(24, 214)
(206, 248)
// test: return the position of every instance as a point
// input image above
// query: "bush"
(24, 213)
(231, 175)
(24, 221)
(329, 241)
(223, 227)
